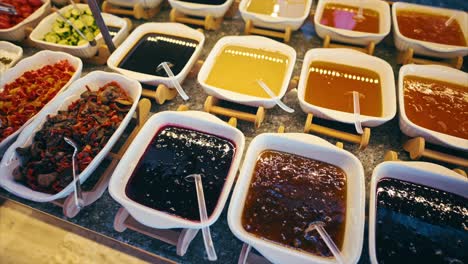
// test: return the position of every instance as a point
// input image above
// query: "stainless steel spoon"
(76, 183)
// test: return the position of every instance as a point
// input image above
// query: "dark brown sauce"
(113, 30)
(206, 2)
(288, 193)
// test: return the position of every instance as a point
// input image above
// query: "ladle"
(318, 225)
(273, 96)
(167, 68)
(76, 183)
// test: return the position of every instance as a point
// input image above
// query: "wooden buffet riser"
(138, 11)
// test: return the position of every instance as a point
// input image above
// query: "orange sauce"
(430, 27)
(330, 85)
(344, 17)
(436, 105)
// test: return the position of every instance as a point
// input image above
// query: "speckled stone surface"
(99, 216)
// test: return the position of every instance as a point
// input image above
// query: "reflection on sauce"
(437, 105)
(206, 2)
(288, 193)
(344, 17)
(238, 68)
(159, 178)
(278, 8)
(430, 27)
(419, 224)
(153, 49)
(330, 85)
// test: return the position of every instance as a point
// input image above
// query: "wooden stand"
(138, 11)
(362, 140)
(369, 49)
(68, 204)
(212, 106)
(251, 29)
(408, 57)
(417, 149)
(232, 11)
(209, 22)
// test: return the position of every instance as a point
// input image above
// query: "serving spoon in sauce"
(357, 110)
(166, 66)
(79, 202)
(319, 226)
(450, 20)
(360, 13)
(273, 96)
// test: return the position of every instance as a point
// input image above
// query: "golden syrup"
(278, 8)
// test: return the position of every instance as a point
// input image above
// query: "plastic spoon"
(76, 183)
(273, 96)
(175, 83)
(360, 12)
(209, 246)
(450, 20)
(357, 112)
(327, 239)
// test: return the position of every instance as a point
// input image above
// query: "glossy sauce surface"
(330, 85)
(430, 27)
(420, 224)
(289, 192)
(237, 68)
(278, 8)
(153, 49)
(344, 17)
(159, 178)
(436, 105)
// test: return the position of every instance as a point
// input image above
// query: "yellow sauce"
(278, 8)
(237, 69)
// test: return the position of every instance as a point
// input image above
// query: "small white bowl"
(278, 23)
(201, 10)
(254, 42)
(355, 37)
(132, 3)
(17, 33)
(11, 48)
(173, 29)
(354, 59)
(82, 51)
(94, 81)
(426, 48)
(314, 148)
(422, 173)
(37, 61)
(199, 121)
(441, 73)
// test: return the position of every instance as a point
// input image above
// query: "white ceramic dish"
(131, 3)
(318, 149)
(196, 120)
(424, 47)
(355, 37)
(255, 42)
(440, 73)
(37, 61)
(11, 48)
(201, 10)
(174, 29)
(355, 59)
(17, 33)
(278, 23)
(94, 81)
(82, 51)
(423, 173)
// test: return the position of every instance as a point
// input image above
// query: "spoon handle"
(76, 181)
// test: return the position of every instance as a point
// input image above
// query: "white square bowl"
(17, 33)
(11, 48)
(132, 3)
(426, 48)
(37, 61)
(437, 72)
(94, 81)
(277, 23)
(254, 42)
(422, 173)
(201, 10)
(173, 29)
(355, 37)
(82, 51)
(314, 148)
(196, 120)
(355, 59)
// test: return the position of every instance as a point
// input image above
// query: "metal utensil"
(81, 12)
(93, 5)
(92, 42)
(76, 183)
(8, 9)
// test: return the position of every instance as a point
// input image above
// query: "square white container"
(94, 81)
(17, 33)
(132, 3)
(436, 72)
(82, 51)
(201, 10)
(11, 48)
(199, 121)
(314, 148)
(37, 61)
(277, 23)
(355, 37)
(422, 173)
(254, 42)
(355, 59)
(173, 29)
(426, 48)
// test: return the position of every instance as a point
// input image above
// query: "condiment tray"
(11, 48)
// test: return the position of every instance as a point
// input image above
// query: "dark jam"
(159, 178)
(205, 2)
(153, 49)
(113, 30)
(419, 224)
(288, 193)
